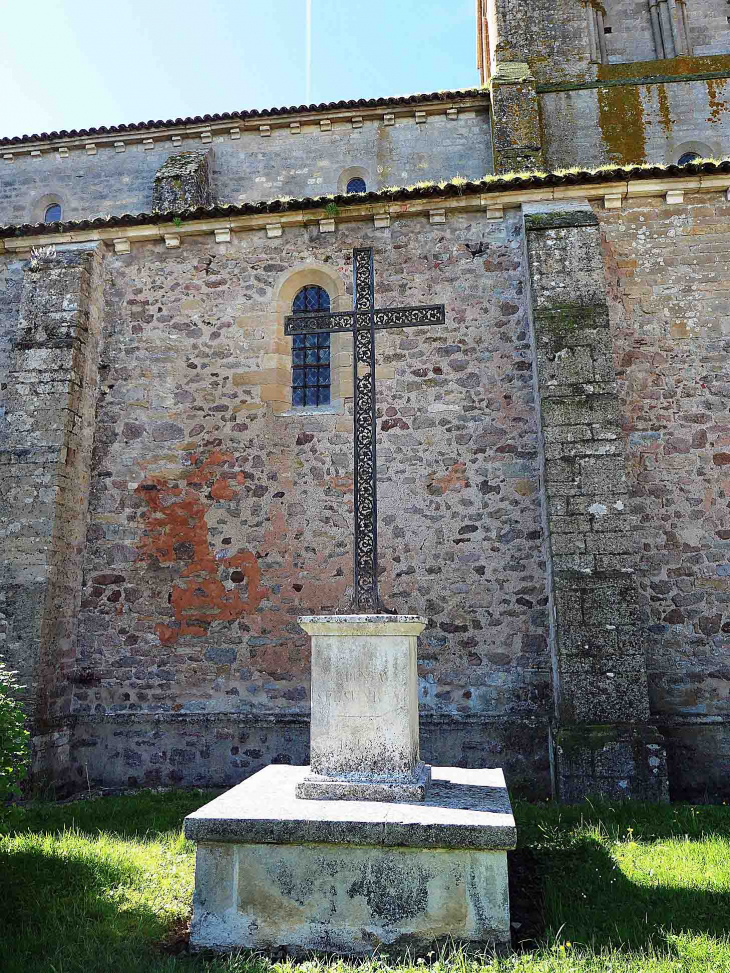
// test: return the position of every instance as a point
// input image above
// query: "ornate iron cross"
(362, 322)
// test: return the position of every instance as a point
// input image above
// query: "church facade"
(176, 474)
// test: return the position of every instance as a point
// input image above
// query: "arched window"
(688, 157)
(53, 213)
(311, 353)
(356, 185)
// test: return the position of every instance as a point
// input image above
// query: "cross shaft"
(362, 322)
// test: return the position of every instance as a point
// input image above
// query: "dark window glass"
(688, 157)
(53, 213)
(356, 185)
(311, 353)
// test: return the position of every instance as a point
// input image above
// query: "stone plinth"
(364, 734)
(352, 877)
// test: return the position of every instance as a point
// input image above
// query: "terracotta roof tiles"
(254, 113)
(489, 185)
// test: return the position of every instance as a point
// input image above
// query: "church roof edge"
(523, 181)
(354, 103)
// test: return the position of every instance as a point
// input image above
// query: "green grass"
(105, 885)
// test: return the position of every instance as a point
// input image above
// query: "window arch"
(354, 179)
(52, 213)
(311, 376)
(48, 208)
(686, 152)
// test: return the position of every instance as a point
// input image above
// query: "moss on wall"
(676, 67)
(717, 99)
(665, 115)
(622, 123)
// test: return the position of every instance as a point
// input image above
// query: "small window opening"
(53, 213)
(608, 30)
(311, 383)
(688, 157)
(356, 185)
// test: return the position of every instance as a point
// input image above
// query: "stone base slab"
(352, 877)
(354, 787)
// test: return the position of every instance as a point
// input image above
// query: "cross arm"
(409, 317)
(320, 321)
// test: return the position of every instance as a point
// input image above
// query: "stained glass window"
(311, 353)
(53, 213)
(356, 185)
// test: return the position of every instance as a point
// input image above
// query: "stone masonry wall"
(49, 395)
(549, 35)
(250, 167)
(670, 283)
(625, 123)
(216, 521)
(631, 37)
(709, 30)
(216, 517)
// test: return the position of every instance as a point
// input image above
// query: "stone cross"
(362, 322)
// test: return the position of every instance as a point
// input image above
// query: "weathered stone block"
(611, 604)
(517, 138)
(576, 410)
(183, 182)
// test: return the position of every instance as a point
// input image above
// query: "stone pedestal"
(367, 849)
(351, 877)
(364, 735)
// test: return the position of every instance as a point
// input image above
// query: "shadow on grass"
(60, 913)
(538, 824)
(144, 815)
(579, 894)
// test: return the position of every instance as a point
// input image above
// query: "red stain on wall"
(455, 479)
(176, 531)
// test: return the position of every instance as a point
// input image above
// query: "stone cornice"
(233, 124)
(547, 88)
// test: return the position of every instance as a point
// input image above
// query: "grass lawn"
(105, 885)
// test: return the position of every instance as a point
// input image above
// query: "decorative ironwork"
(320, 321)
(362, 323)
(409, 317)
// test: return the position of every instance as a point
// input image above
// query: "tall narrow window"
(53, 213)
(356, 185)
(311, 353)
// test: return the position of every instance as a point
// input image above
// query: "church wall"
(216, 518)
(671, 312)
(709, 29)
(637, 123)
(252, 167)
(630, 37)
(19, 653)
(550, 35)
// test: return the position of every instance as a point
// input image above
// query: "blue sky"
(81, 63)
